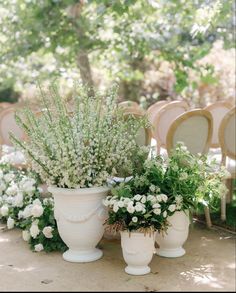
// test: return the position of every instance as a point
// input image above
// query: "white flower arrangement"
(21, 206)
(80, 148)
(163, 186)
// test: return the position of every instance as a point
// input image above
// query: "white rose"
(4, 210)
(9, 177)
(37, 211)
(10, 223)
(37, 202)
(27, 211)
(130, 209)
(20, 215)
(26, 235)
(165, 214)
(12, 190)
(157, 211)
(38, 247)
(34, 230)
(135, 219)
(137, 197)
(172, 207)
(18, 200)
(47, 232)
(115, 208)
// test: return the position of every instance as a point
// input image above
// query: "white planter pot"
(80, 215)
(138, 250)
(171, 241)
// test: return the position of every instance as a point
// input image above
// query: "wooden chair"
(218, 111)
(164, 118)
(154, 108)
(228, 148)
(128, 104)
(194, 129)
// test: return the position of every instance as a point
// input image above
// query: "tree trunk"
(85, 70)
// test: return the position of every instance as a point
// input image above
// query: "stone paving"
(209, 265)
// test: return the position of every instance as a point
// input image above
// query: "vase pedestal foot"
(176, 252)
(137, 271)
(82, 255)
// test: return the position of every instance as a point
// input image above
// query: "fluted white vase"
(171, 242)
(138, 249)
(80, 215)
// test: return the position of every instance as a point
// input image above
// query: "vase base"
(82, 256)
(137, 271)
(177, 252)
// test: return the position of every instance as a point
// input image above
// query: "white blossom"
(135, 219)
(10, 223)
(34, 230)
(172, 208)
(26, 235)
(4, 210)
(38, 247)
(47, 232)
(37, 211)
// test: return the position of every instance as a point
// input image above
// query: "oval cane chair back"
(153, 110)
(194, 129)
(218, 111)
(164, 118)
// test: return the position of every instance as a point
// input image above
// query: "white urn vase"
(80, 215)
(138, 249)
(171, 242)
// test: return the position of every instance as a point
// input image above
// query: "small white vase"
(80, 215)
(171, 242)
(138, 249)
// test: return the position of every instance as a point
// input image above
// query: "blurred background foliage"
(154, 49)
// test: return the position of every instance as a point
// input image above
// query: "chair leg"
(208, 217)
(229, 185)
(223, 207)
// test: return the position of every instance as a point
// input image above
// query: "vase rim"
(54, 188)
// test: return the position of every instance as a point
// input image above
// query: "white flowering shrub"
(81, 148)
(21, 206)
(162, 186)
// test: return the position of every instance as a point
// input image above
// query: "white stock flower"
(172, 208)
(26, 235)
(37, 211)
(47, 232)
(135, 219)
(10, 223)
(4, 210)
(34, 230)
(165, 214)
(38, 247)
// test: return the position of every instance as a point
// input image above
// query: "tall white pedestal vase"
(80, 215)
(171, 242)
(138, 249)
